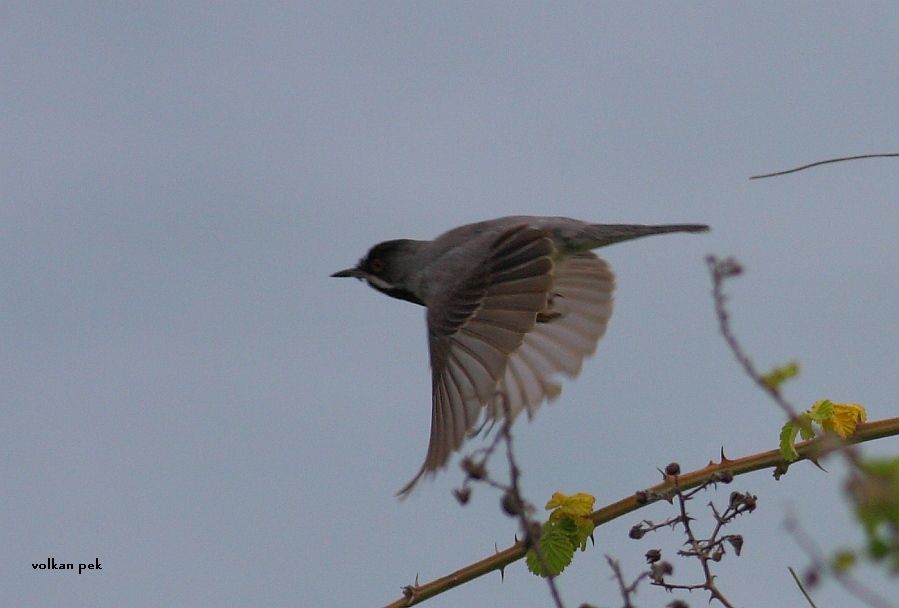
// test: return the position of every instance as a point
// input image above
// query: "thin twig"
(819, 562)
(527, 524)
(700, 552)
(826, 162)
(720, 271)
(626, 590)
(513, 500)
(801, 587)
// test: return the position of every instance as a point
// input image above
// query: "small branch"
(647, 526)
(513, 501)
(626, 590)
(826, 162)
(698, 550)
(801, 587)
(722, 270)
(527, 525)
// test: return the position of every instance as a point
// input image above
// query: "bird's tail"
(600, 235)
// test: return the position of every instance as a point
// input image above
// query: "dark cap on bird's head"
(384, 270)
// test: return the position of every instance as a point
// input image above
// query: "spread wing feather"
(582, 299)
(488, 349)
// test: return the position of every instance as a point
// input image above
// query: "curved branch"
(826, 162)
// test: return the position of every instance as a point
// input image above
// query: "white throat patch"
(378, 282)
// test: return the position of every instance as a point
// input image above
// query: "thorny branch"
(721, 270)
(724, 470)
(700, 550)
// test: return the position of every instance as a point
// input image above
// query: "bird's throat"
(396, 292)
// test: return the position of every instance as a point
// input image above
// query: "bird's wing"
(475, 326)
(579, 310)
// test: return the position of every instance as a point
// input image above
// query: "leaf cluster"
(838, 418)
(568, 528)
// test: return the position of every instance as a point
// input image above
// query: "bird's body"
(512, 303)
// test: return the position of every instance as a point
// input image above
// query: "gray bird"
(511, 303)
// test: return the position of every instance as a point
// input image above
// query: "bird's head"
(386, 268)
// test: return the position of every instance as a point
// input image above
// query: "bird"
(511, 304)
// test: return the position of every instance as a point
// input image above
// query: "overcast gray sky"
(189, 398)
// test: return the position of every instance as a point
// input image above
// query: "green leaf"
(556, 547)
(781, 374)
(820, 410)
(802, 426)
(788, 433)
(844, 560)
(878, 548)
(585, 529)
(805, 427)
(875, 494)
(569, 526)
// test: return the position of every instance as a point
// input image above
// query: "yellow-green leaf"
(570, 505)
(844, 560)
(839, 418)
(820, 410)
(788, 434)
(781, 374)
(585, 528)
(844, 418)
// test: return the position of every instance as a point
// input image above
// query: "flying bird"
(512, 304)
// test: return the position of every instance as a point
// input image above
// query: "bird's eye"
(376, 265)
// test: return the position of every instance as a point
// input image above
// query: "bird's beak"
(350, 272)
